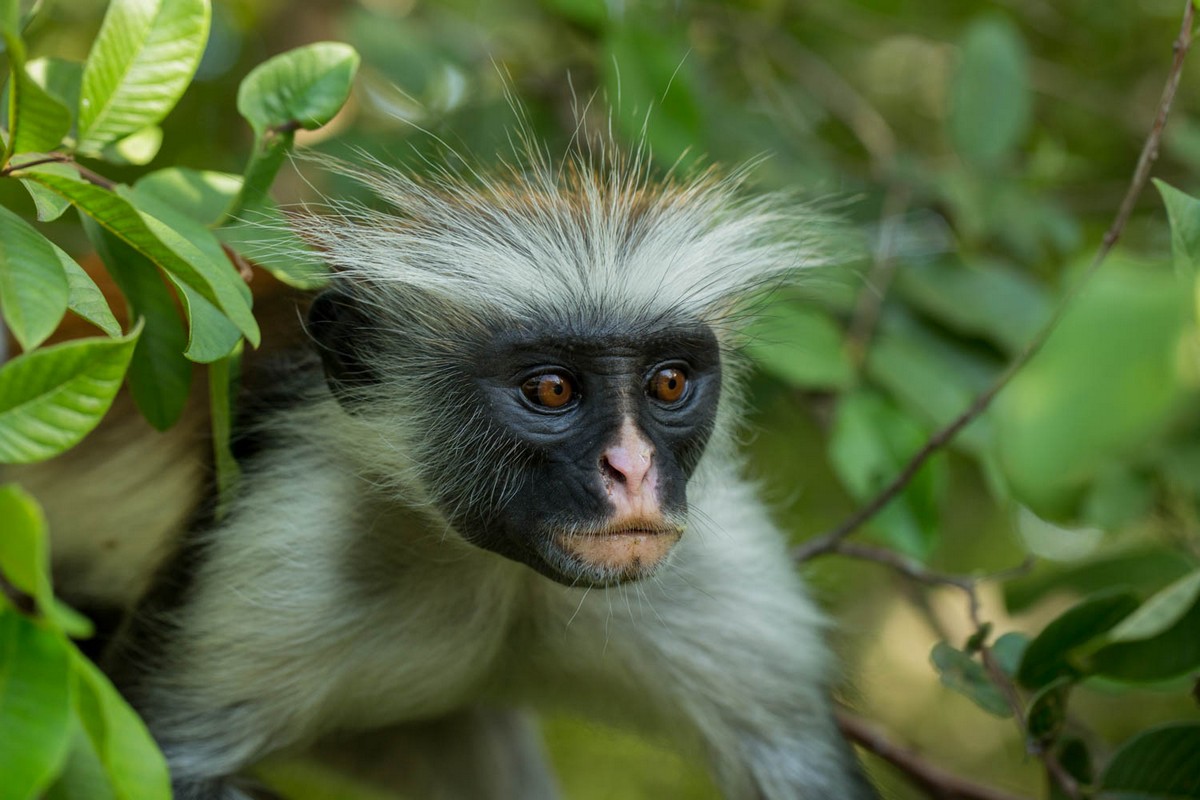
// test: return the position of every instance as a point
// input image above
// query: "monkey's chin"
(614, 555)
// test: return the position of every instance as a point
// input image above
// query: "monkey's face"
(565, 446)
(586, 447)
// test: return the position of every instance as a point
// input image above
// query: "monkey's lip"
(623, 550)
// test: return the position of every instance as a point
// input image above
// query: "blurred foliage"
(977, 151)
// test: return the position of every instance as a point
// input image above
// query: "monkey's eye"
(667, 385)
(550, 390)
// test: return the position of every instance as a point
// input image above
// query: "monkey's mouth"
(618, 552)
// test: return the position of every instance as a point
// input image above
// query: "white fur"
(337, 598)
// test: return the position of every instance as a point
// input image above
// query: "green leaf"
(82, 775)
(35, 703)
(86, 299)
(1074, 757)
(160, 377)
(1143, 570)
(37, 121)
(60, 78)
(870, 442)
(1101, 388)
(215, 281)
(34, 292)
(1048, 711)
(1158, 764)
(965, 675)
(51, 398)
(25, 560)
(210, 334)
(1183, 212)
(1008, 651)
(200, 194)
(1160, 612)
(801, 346)
(980, 299)
(24, 553)
(48, 204)
(931, 378)
(142, 60)
(1050, 655)
(302, 88)
(1170, 653)
(133, 762)
(139, 147)
(269, 241)
(990, 99)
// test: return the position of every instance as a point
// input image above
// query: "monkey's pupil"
(668, 385)
(549, 390)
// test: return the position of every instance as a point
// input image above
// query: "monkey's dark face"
(566, 447)
(600, 433)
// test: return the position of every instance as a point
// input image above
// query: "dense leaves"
(979, 151)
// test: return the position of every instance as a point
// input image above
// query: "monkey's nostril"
(609, 471)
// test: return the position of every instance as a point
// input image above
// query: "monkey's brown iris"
(668, 385)
(550, 390)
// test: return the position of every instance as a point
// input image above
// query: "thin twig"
(936, 781)
(94, 178)
(825, 543)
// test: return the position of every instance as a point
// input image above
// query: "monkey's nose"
(624, 467)
(630, 462)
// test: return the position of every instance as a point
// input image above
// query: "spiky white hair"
(605, 240)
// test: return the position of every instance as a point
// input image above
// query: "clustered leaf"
(54, 702)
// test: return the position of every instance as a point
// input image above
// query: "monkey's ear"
(343, 333)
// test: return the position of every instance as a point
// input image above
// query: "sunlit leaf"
(35, 703)
(82, 775)
(203, 195)
(51, 398)
(141, 61)
(86, 299)
(216, 281)
(134, 764)
(139, 147)
(34, 292)
(37, 120)
(304, 87)
(159, 376)
(24, 551)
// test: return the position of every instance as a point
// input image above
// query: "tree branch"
(939, 783)
(827, 542)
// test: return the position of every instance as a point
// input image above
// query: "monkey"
(504, 476)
